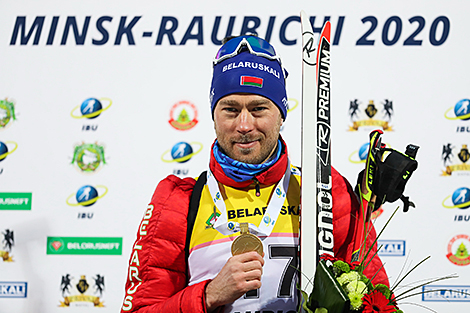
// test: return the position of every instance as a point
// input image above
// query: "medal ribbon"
(223, 226)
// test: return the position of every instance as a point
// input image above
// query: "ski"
(316, 225)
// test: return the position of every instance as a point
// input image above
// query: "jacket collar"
(268, 177)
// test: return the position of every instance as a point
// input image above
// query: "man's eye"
(259, 108)
(231, 110)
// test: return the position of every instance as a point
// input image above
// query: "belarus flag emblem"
(251, 81)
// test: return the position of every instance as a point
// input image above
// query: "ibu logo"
(91, 108)
(391, 247)
(360, 156)
(87, 195)
(461, 111)
(181, 152)
(460, 199)
(5, 150)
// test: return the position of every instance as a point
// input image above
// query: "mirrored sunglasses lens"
(229, 47)
(261, 46)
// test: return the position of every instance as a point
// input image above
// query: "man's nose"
(245, 122)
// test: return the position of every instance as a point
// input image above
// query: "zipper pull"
(258, 191)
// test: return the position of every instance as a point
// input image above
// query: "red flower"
(354, 265)
(376, 302)
(328, 257)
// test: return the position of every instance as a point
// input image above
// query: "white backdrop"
(129, 57)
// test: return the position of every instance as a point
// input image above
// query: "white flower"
(356, 286)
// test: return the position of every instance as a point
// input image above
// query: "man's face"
(247, 127)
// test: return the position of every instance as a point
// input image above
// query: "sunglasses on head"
(252, 44)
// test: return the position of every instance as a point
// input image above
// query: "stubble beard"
(247, 155)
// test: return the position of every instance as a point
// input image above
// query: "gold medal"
(246, 242)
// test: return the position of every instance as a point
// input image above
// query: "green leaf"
(327, 292)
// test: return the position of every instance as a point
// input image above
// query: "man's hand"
(239, 275)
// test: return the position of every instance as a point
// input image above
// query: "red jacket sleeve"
(156, 280)
(349, 229)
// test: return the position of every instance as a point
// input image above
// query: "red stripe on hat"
(251, 80)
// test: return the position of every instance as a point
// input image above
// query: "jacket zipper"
(258, 191)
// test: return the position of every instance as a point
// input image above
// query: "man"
(203, 261)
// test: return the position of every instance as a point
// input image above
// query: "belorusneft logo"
(15, 200)
(84, 245)
(10, 289)
(391, 247)
(455, 159)
(446, 293)
(370, 116)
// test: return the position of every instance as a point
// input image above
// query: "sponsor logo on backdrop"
(7, 148)
(459, 199)
(457, 250)
(461, 112)
(88, 157)
(91, 108)
(181, 153)
(446, 293)
(392, 247)
(8, 241)
(80, 291)
(7, 113)
(371, 115)
(183, 115)
(455, 158)
(87, 195)
(84, 245)
(360, 156)
(15, 200)
(13, 289)
(292, 104)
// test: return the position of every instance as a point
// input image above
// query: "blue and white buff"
(240, 171)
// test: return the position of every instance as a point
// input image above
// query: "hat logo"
(251, 81)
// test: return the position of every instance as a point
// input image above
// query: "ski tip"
(326, 30)
(303, 15)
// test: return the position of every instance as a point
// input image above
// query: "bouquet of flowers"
(342, 287)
